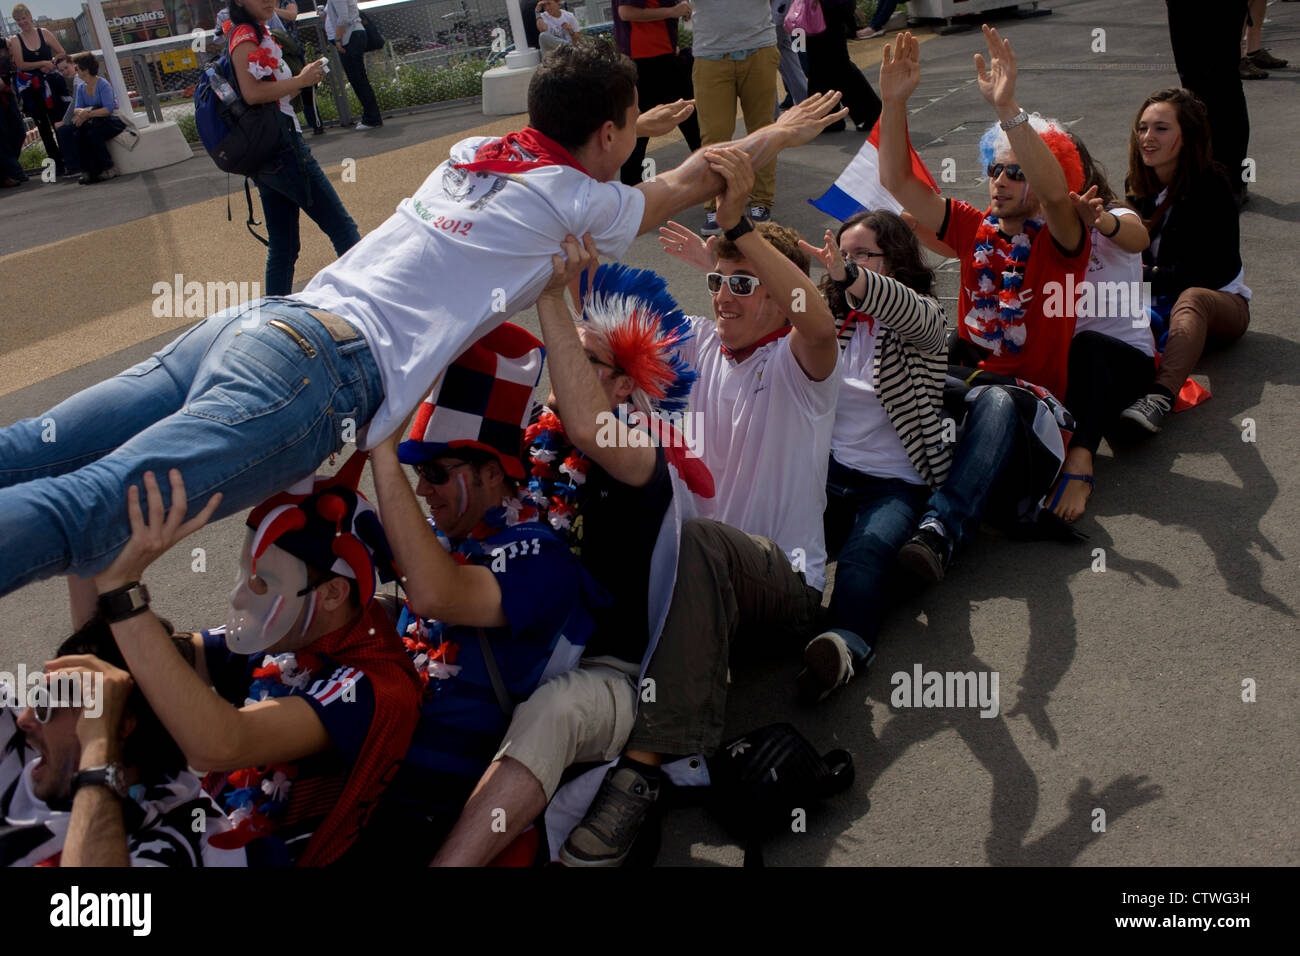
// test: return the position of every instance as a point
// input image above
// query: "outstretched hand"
(1089, 206)
(805, 120)
(679, 241)
(900, 68)
(664, 118)
(152, 537)
(829, 255)
(737, 172)
(997, 79)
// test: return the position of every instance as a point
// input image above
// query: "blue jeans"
(298, 182)
(235, 403)
(992, 430)
(879, 515)
(884, 10)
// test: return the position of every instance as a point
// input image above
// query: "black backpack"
(241, 138)
(759, 779)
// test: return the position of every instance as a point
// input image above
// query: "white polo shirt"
(766, 437)
(458, 258)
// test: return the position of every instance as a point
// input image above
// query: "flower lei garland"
(998, 307)
(432, 654)
(549, 488)
(260, 793)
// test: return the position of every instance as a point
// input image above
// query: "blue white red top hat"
(482, 401)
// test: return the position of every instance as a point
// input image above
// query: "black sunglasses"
(1013, 170)
(436, 474)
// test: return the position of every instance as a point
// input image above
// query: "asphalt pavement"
(1124, 660)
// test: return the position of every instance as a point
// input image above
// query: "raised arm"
(97, 827)
(997, 81)
(813, 341)
(212, 733)
(436, 586)
(584, 406)
(900, 72)
(694, 181)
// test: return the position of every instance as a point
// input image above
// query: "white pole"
(110, 55)
(523, 55)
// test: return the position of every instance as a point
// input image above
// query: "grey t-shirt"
(725, 26)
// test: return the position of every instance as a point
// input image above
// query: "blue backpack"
(240, 138)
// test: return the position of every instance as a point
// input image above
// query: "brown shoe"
(1265, 60)
(1249, 71)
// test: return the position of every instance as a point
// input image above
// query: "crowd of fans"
(579, 551)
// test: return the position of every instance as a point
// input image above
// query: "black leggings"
(661, 79)
(1106, 376)
(829, 68)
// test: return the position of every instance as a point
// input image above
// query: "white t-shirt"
(766, 437)
(555, 25)
(1116, 282)
(457, 259)
(864, 438)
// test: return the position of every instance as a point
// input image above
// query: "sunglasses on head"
(738, 284)
(1013, 171)
(436, 474)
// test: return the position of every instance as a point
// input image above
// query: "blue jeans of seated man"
(298, 182)
(992, 433)
(879, 515)
(235, 403)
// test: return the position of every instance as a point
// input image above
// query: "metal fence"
(436, 51)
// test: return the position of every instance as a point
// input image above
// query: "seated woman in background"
(887, 448)
(1112, 355)
(92, 115)
(1194, 260)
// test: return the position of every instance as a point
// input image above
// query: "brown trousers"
(1199, 315)
(730, 585)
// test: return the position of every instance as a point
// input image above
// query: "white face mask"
(264, 608)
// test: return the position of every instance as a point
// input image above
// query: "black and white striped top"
(909, 368)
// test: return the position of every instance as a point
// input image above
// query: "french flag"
(858, 189)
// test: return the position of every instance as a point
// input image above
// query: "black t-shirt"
(614, 534)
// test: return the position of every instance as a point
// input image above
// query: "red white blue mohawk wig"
(994, 143)
(329, 525)
(634, 317)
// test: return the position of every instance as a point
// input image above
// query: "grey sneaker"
(609, 829)
(711, 227)
(1148, 412)
(828, 666)
(759, 214)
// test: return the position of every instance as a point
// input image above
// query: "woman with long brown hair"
(1194, 260)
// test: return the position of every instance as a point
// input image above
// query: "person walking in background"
(884, 10)
(1255, 60)
(736, 57)
(32, 50)
(829, 66)
(295, 181)
(343, 24)
(1208, 62)
(646, 30)
(792, 74)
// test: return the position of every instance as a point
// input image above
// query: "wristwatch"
(851, 273)
(1021, 117)
(739, 229)
(124, 602)
(112, 776)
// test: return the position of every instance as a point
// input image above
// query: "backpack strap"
(250, 222)
(494, 674)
